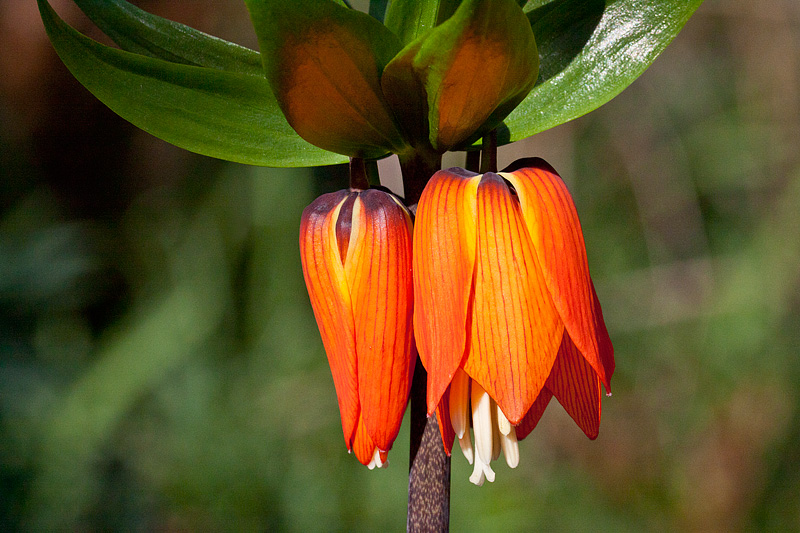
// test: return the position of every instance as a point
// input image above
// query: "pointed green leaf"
(590, 51)
(221, 114)
(143, 33)
(460, 79)
(408, 19)
(324, 62)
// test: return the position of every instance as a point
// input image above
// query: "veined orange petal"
(515, 328)
(445, 425)
(603, 339)
(363, 446)
(330, 299)
(378, 270)
(534, 414)
(555, 230)
(444, 260)
(576, 386)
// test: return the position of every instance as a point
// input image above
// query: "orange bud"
(355, 247)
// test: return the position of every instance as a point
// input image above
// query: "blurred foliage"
(160, 368)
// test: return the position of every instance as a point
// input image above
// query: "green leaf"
(324, 62)
(143, 33)
(408, 19)
(222, 114)
(590, 51)
(460, 79)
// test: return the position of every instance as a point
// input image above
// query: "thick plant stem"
(358, 174)
(489, 152)
(417, 168)
(429, 466)
(473, 161)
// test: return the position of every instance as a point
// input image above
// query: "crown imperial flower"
(506, 315)
(355, 248)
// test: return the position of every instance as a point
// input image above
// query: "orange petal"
(378, 270)
(556, 233)
(603, 340)
(363, 446)
(445, 425)
(515, 330)
(576, 387)
(330, 298)
(534, 414)
(444, 260)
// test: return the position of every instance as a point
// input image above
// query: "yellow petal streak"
(515, 330)
(555, 230)
(330, 298)
(378, 270)
(444, 259)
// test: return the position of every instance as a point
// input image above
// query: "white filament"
(502, 422)
(466, 447)
(481, 472)
(459, 403)
(482, 422)
(495, 432)
(510, 448)
(477, 477)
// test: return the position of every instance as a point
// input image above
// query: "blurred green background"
(160, 369)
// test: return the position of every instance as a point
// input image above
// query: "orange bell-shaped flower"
(506, 315)
(355, 248)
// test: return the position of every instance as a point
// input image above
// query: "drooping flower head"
(355, 247)
(506, 315)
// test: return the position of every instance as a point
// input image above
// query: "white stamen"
(487, 470)
(495, 433)
(481, 472)
(482, 423)
(466, 447)
(459, 403)
(510, 448)
(502, 422)
(376, 462)
(477, 477)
